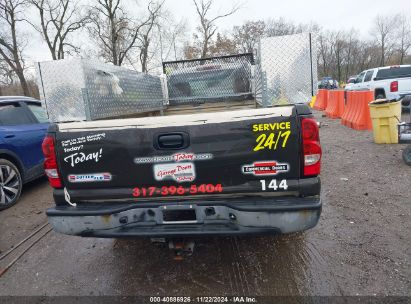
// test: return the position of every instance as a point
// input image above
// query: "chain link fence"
(225, 78)
(77, 89)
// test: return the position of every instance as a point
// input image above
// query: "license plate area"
(179, 216)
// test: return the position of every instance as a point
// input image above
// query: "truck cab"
(393, 82)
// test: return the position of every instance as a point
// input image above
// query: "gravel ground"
(361, 245)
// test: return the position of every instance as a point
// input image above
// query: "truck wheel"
(406, 155)
(10, 184)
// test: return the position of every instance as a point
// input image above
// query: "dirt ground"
(361, 245)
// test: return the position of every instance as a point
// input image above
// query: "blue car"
(23, 125)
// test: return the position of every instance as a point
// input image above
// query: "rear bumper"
(242, 217)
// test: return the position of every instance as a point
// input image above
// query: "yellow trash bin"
(385, 117)
(312, 102)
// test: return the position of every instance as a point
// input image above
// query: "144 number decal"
(273, 185)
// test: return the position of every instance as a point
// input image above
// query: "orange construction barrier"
(353, 108)
(363, 119)
(321, 101)
(356, 114)
(347, 109)
(335, 104)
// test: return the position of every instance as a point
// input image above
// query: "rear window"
(13, 114)
(39, 112)
(394, 72)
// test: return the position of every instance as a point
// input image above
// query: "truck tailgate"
(249, 152)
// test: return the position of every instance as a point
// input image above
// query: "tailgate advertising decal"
(76, 144)
(87, 178)
(273, 135)
(265, 168)
(178, 167)
(180, 172)
(178, 157)
(76, 158)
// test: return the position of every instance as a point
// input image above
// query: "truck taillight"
(311, 147)
(50, 162)
(394, 86)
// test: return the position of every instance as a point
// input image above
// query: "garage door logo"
(180, 172)
(265, 168)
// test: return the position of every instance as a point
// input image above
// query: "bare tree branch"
(207, 26)
(383, 31)
(247, 36)
(403, 36)
(10, 46)
(115, 33)
(145, 33)
(58, 19)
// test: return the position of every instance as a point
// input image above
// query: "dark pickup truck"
(236, 172)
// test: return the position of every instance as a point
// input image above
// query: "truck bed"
(207, 107)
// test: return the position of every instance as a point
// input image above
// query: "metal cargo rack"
(80, 89)
(213, 79)
(282, 70)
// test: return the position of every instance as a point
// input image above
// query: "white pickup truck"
(392, 82)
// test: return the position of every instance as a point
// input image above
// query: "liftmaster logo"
(265, 168)
(87, 178)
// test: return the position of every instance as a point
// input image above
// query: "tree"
(11, 47)
(115, 33)
(191, 51)
(59, 19)
(145, 35)
(281, 27)
(170, 35)
(324, 54)
(166, 40)
(247, 35)
(403, 36)
(350, 46)
(207, 27)
(338, 47)
(6, 73)
(383, 30)
(222, 46)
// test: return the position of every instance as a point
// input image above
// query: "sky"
(330, 14)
